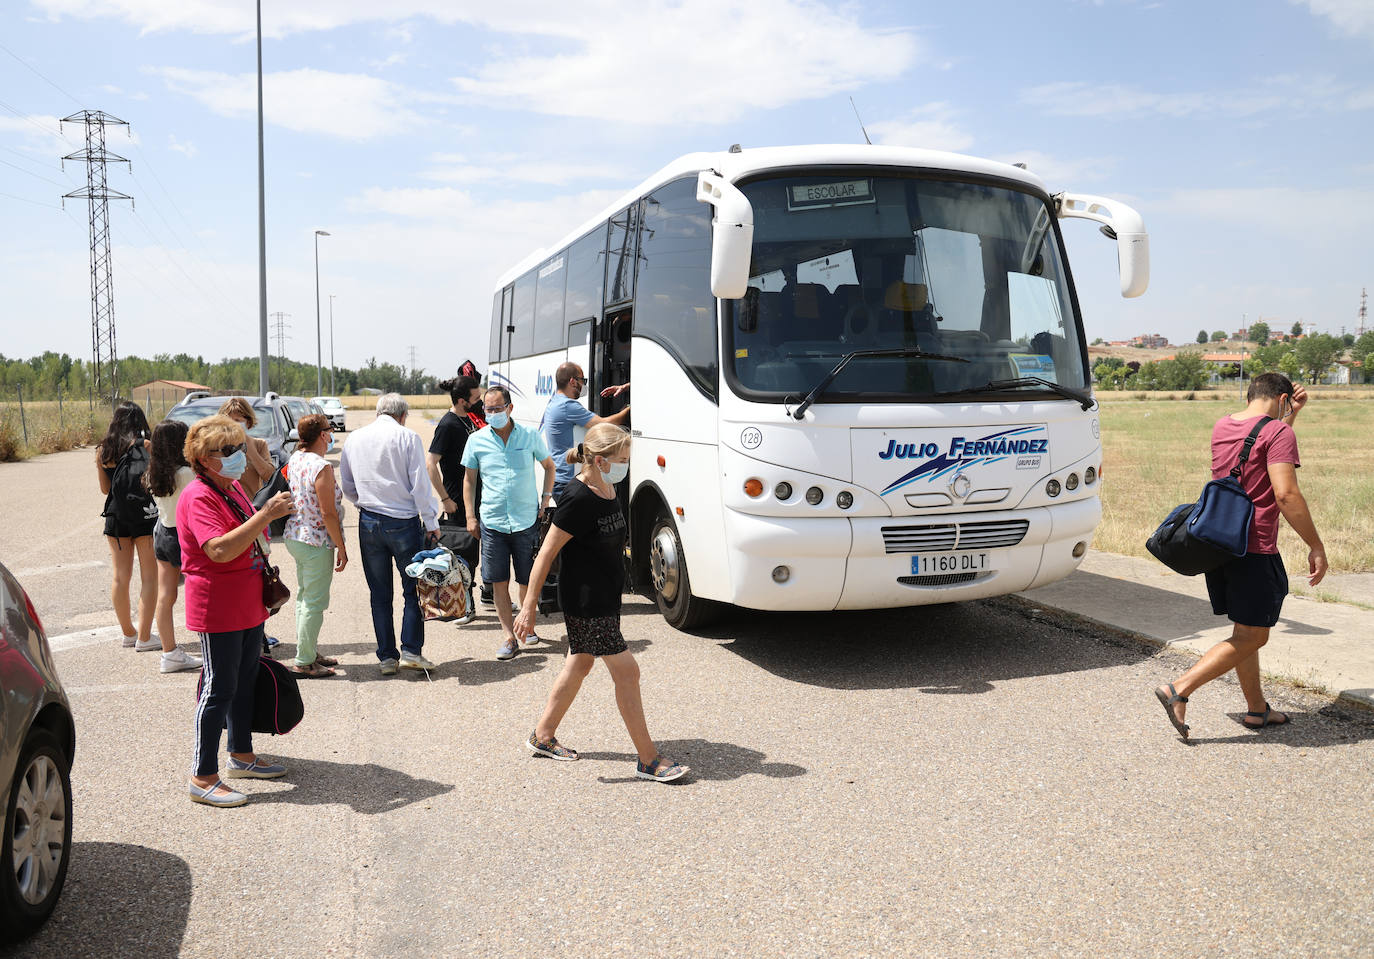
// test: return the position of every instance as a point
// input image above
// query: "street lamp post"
(262, 234)
(331, 346)
(319, 379)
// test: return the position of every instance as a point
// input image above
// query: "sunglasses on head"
(231, 450)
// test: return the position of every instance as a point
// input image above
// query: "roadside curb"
(1361, 702)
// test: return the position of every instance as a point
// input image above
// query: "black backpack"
(277, 704)
(129, 500)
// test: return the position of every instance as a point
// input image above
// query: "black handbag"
(277, 484)
(277, 704)
(1203, 536)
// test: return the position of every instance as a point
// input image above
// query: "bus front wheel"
(672, 585)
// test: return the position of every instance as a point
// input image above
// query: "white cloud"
(662, 62)
(511, 168)
(930, 127)
(395, 60)
(1289, 93)
(188, 149)
(1059, 173)
(350, 106)
(1349, 16)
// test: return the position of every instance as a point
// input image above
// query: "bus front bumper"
(840, 563)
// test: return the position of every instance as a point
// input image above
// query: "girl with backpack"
(121, 459)
(168, 474)
(590, 525)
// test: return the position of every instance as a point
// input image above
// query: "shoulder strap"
(1249, 444)
(237, 509)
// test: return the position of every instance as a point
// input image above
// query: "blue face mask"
(497, 421)
(618, 472)
(330, 447)
(232, 467)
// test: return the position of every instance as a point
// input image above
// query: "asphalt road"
(950, 781)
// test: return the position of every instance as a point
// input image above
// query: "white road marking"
(84, 637)
(60, 568)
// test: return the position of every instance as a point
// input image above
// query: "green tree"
(1364, 344)
(1202, 336)
(1218, 336)
(1186, 371)
(1259, 333)
(1289, 365)
(1316, 354)
(1297, 329)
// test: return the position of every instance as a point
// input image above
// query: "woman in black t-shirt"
(589, 529)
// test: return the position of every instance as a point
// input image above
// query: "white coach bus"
(860, 378)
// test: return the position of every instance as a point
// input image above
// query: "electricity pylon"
(97, 194)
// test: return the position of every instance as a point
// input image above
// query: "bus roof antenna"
(861, 122)
(735, 148)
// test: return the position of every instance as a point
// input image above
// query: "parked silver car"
(37, 741)
(333, 408)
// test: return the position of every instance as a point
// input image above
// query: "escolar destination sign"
(809, 196)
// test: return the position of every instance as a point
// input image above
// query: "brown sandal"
(314, 671)
(326, 661)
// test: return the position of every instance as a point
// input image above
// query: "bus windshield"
(952, 284)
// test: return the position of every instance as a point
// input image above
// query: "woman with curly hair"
(314, 538)
(168, 474)
(129, 519)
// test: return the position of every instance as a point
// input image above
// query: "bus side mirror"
(1122, 224)
(732, 235)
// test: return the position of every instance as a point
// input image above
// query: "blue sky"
(440, 141)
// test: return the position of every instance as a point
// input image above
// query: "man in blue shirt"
(563, 414)
(503, 453)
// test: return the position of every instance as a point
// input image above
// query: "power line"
(42, 77)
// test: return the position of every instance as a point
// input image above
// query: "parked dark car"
(277, 417)
(37, 742)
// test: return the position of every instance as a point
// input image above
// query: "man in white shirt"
(382, 471)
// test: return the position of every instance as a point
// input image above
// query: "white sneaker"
(128, 642)
(178, 660)
(153, 643)
(415, 661)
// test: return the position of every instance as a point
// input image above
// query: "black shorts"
(1250, 589)
(595, 635)
(166, 546)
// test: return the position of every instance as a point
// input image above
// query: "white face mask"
(617, 473)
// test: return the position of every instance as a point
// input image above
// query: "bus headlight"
(1071, 482)
(1052, 487)
(845, 499)
(814, 495)
(1089, 476)
(783, 490)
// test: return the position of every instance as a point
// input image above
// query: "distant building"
(164, 392)
(1150, 341)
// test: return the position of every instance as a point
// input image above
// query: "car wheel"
(668, 573)
(36, 844)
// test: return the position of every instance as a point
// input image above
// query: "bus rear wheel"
(668, 574)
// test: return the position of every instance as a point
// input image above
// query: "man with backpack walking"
(1250, 589)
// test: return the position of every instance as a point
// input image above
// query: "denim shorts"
(500, 549)
(1250, 589)
(166, 546)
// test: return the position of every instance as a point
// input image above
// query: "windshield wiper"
(1020, 382)
(829, 377)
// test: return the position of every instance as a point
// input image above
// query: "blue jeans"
(226, 695)
(384, 542)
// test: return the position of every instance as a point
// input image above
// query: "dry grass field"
(1155, 456)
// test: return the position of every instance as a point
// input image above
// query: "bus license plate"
(936, 563)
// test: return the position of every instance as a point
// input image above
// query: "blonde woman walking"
(589, 529)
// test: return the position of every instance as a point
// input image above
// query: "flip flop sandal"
(1168, 703)
(326, 661)
(1264, 719)
(660, 770)
(313, 671)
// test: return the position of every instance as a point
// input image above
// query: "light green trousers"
(314, 574)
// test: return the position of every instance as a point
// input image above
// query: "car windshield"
(192, 413)
(846, 263)
(329, 402)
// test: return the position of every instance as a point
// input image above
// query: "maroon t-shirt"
(1276, 444)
